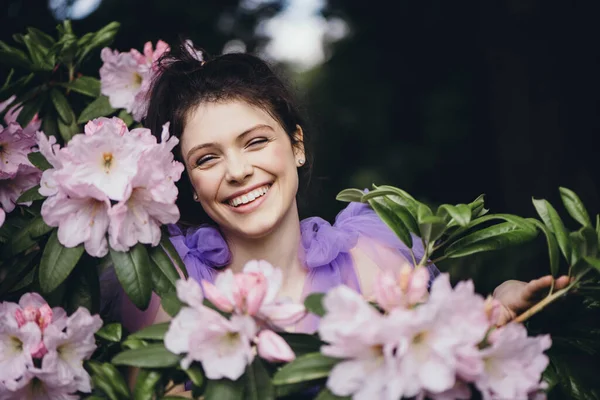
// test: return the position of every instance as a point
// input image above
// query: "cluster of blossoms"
(126, 77)
(432, 345)
(42, 350)
(224, 345)
(113, 180)
(17, 174)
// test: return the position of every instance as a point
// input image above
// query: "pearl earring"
(301, 162)
(195, 197)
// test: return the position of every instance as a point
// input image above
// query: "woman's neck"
(279, 247)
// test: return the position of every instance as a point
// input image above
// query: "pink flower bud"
(249, 292)
(216, 297)
(273, 347)
(417, 290)
(45, 316)
(284, 314)
(39, 351)
(387, 291)
(27, 314)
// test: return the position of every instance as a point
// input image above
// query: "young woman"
(246, 154)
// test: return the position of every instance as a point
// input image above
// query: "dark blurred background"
(445, 99)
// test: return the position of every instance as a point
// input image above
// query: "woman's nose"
(239, 169)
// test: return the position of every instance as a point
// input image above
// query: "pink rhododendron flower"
(403, 289)
(223, 346)
(273, 347)
(15, 144)
(513, 363)
(110, 163)
(31, 329)
(12, 114)
(254, 292)
(11, 189)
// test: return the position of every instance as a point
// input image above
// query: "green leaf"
(125, 117)
(550, 217)
(145, 383)
(166, 244)
(171, 304)
(598, 229)
(305, 368)
(98, 108)
(17, 271)
(575, 207)
(42, 61)
(83, 288)
(258, 382)
(99, 39)
(432, 228)
(393, 221)
(152, 332)
(133, 271)
(30, 108)
(224, 389)
(160, 283)
(461, 213)
(25, 238)
(194, 372)
(30, 194)
(57, 263)
(164, 264)
(301, 343)
(553, 253)
(41, 37)
(151, 356)
(15, 58)
(39, 161)
(314, 303)
(593, 262)
(107, 379)
(85, 85)
(403, 213)
(350, 195)
(111, 332)
(492, 238)
(326, 394)
(477, 207)
(63, 108)
(67, 131)
(133, 344)
(397, 195)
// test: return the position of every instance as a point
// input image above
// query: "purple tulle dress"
(325, 251)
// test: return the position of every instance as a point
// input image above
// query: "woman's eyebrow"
(240, 137)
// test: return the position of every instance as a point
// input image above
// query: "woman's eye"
(203, 160)
(258, 141)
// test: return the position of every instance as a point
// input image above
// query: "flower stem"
(542, 304)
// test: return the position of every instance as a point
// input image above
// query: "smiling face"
(242, 166)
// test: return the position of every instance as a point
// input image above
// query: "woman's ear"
(299, 145)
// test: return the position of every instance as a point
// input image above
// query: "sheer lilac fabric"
(325, 251)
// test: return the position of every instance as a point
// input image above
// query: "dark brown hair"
(184, 82)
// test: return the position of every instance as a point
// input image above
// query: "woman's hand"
(517, 297)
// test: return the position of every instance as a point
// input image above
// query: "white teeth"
(249, 197)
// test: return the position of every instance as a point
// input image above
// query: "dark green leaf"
(83, 288)
(17, 271)
(85, 85)
(556, 226)
(31, 194)
(258, 382)
(15, 58)
(145, 383)
(37, 159)
(111, 332)
(349, 195)
(152, 332)
(476, 206)
(575, 207)
(151, 356)
(598, 229)
(160, 283)
(194, 372)
(108, 379)
(125, 117)
(305, 368)
(431, 227)
(225, 389)
(165, 265)
(98, 108)
(326, 394)
(492, 238)
(314, 304)
(403, 213)
(25, 238)
(57, 263)
(42, 38)
(99, 39)
(393, 221)
(62, 106)
(171, 304)
(554, 256)
(461, 213)
(133, 271)
(593, 262)
(30, 109)
(42, 61)
(302, 343)
(165, 242)
(133, 344)
(67, 131)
